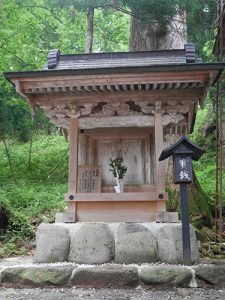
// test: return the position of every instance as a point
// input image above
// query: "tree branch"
(17, 57)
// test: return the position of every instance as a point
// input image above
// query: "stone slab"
(59, 218)
(210, 275)
(167, 217)
(13, 273)
(110, 276)
(36, 276)
(170, 276)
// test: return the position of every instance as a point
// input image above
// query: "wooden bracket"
(29, 99)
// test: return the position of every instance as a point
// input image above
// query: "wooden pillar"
(73, 155)
(70, 215)
(160, 168)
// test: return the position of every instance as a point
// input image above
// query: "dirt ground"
(111, 294)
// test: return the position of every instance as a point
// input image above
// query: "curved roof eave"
(117, 70)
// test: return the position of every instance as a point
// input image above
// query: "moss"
(199, 208)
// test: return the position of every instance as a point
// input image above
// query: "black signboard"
(182, 169)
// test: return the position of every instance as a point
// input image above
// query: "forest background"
(33, 152)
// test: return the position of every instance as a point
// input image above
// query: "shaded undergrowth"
(37, 191)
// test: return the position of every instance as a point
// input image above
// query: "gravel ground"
(111, 294)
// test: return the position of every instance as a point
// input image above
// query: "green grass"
(38, 192)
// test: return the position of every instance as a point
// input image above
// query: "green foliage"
(38, 192)
(117, 167)
(153, 10)
(16, 118)
(206, 167)
(112, 35)
(200, 23)
(28, 30)
(81, 4)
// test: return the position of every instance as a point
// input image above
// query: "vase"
(119, 187)
(121, 181)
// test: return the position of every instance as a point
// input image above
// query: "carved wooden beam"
(127, 121)
(81, 98)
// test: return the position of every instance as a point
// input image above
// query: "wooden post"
(73, 155)
(70, 215)
(185, 224)
(160, 168)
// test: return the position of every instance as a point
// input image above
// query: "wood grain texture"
(133, 144)
(117, 197)
(131, 150)
(116, 212)
(70, 215)
(73, 155)
(132, 188)
(127, 121)
(82, 149)
(160, 169)
(116, 121)
(80, 98)
(119, 79)
(89, 179)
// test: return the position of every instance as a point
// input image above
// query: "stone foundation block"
(210, 276)
(37, 276)
(110, 276)
(92, 244)
(170, 246)
(52, 243)
(170, 276)
(96, 243)
(134, 243)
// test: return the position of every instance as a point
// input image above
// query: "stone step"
(13, 273)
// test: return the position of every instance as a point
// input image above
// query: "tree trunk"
(90, 29)
(146, 36)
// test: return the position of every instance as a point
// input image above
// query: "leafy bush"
(205, 168)
(38, 192)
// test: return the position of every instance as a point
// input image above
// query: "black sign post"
(184, 151)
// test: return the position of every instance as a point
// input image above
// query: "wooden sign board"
(89, 179)
(182, 169)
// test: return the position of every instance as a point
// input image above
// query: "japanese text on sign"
(89, 179)
(184, 171)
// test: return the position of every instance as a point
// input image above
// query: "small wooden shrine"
(119, 105)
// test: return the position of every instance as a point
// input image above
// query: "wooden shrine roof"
(120, 59)
(171, 61)
(118, 62)
(99, 83)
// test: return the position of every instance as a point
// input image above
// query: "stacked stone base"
(113, 276)
(98, 243)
